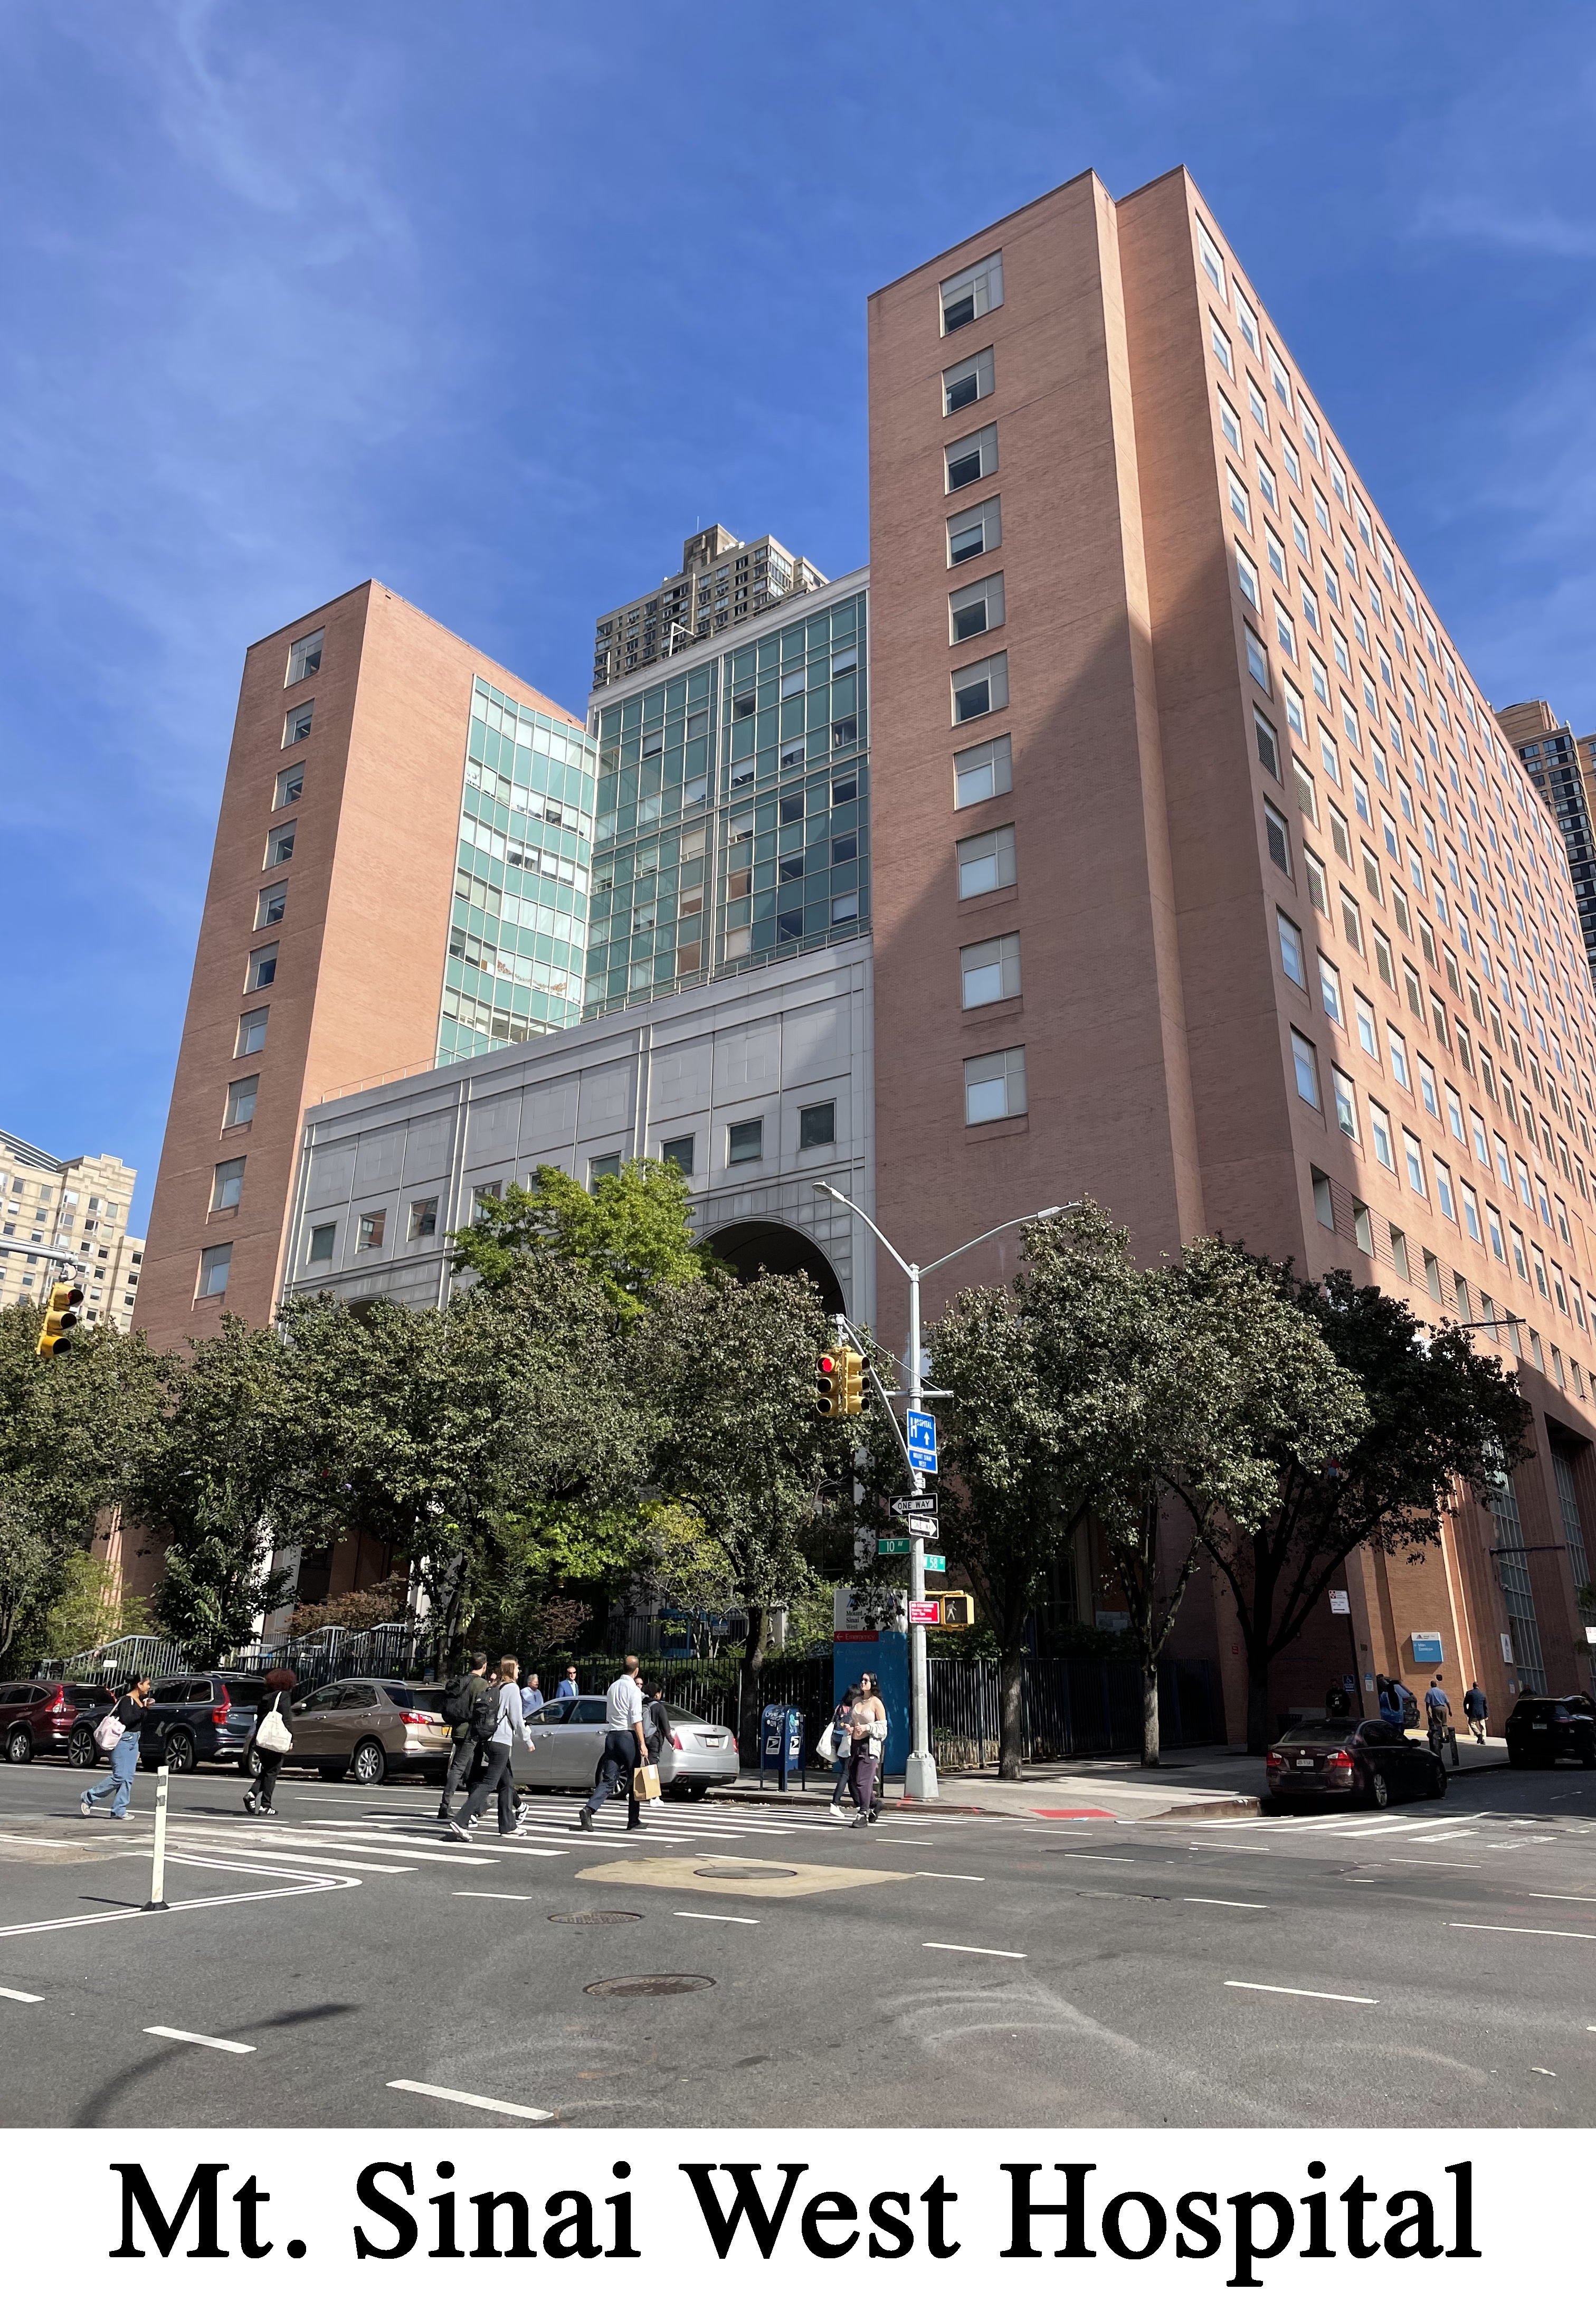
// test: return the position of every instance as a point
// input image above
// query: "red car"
(50, 1716)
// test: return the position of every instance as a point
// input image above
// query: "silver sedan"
(569, 1740)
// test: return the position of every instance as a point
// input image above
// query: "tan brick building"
(351, 930)
(1204, 881)
(77, 1204)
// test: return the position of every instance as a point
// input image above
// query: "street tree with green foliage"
(631, 1231)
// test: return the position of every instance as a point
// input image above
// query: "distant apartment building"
(400, 875)
(733, 826)
(73, 1203)
(722, 582)
(1563, 768)
(1205, 881)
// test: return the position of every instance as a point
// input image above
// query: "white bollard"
(158, 1869)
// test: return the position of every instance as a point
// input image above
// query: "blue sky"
(497, 302)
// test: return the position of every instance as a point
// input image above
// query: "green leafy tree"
(72, 1429)
(632, 1231)
(90, 1609)
(1438, 1416)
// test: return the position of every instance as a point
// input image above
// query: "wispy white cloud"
(1470, 217)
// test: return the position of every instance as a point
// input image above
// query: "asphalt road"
(1434, 1964)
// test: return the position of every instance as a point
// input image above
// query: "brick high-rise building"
(1563, 769)
(1204, 881)
(399, 876)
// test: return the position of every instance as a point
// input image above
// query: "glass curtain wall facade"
(1512, 1566)
(519, 928)
(1572, 1530)
(733, 821)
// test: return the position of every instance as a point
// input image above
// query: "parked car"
(200, 1720)
(568, 1738)
(1543, 1731)
(371, 1727)
(48, 1715)
(1369, 1763)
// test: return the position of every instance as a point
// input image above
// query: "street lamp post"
(920, 1774)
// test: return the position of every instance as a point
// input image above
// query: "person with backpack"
(1476, 1708)
(497, 1723)
(1406, 1704)
(129, 1713)
(1391, 1708)
(461, 1695)
(273, 1714)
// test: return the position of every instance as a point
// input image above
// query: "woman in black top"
(275, 1701)
(118, 1784)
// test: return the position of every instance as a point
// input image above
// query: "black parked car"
(1371, 1763)
(200, 1720)
(1543, 1731)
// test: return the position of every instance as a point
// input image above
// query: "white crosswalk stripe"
(302, 1843)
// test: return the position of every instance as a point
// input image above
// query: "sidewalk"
(1213, 1784)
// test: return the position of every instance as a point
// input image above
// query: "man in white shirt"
(623, 1740)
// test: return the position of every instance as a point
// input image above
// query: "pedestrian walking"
(868, 1726)
(496, 1722)
(656, 1732)
(118, 1784)
(532, 1696)
(461, 1695)
(842, 1731)
(624, 1746)
(1407, 1707)
(1476, 1708)
(1391, 1708)
(275, 1702)
(1438, 1708)
(567, 1687)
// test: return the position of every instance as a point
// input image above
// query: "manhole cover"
(596, 1916)
(728, 1869)
(650, 1984)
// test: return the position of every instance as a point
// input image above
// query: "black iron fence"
(1067, 1708)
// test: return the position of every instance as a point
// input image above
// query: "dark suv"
(1542, 1731)
(48, 1715)
(197, 1720)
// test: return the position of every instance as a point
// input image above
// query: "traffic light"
(60, 1319)
(853, 1381)
(958, 1607)
(829, 1383)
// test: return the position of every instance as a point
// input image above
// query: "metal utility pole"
(920, 1776)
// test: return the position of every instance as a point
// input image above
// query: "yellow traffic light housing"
(60, 1320)
(958, 1607)
(853, 1381)
(828, 1384)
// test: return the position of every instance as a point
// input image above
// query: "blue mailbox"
(781, 1744)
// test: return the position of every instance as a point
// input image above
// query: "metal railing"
(1067, 1708)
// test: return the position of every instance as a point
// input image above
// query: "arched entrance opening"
(754, 1246)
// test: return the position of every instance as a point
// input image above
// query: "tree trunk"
(1150, 1713)
(1260, 1730)
(753, 1662)
(1011, 1674)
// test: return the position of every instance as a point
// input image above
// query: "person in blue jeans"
(118, 1784)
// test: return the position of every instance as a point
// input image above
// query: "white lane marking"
(206, 1901)
(903, 1840)
(1586, 1897)
(302, 1846)
(953, 1876)
(971, 1949)
(54, 1844)
(1402, 1861)
(474, 1896)
(250, 1855)
(21, 1996)
(1538, 1932)
(1386, 1828)
(1114, 1860)
(471, 2100)
(714, 1917)
(1331, 1996)
(1212, 1901)
(194, 2037)
(1445, 1836)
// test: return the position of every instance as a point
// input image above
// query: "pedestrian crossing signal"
(60, 1320)
(958, 1607)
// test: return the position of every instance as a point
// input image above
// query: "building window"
(817, 1125)
(1414, 1156)
(290, 787)
(1257, 660)
(374, 1225)
(252, 1034)
(982, 688)
(1346, 1101)
(280, 845)
(322, 1239)
(215, 1261)
(296, 723)
(304, 657)
(604, 1167)
(1324, 1206)
(985, 862)
(994, 1086)
(263, 971)
(745, 1142)
(968, 294)
(423, 1219)
(977, 529)
(1380, 1132)
(979, 772)
(1278, 838)
(1292, 958)
(241, 1100)
(679, 1151)
(989, 971)
(226, 1186)
(1305, 1059)
(1269, 751)
(972, 458)
(975, 609)
(967, 381)
(271, 905)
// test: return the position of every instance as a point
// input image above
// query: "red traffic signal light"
(828, 1384)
